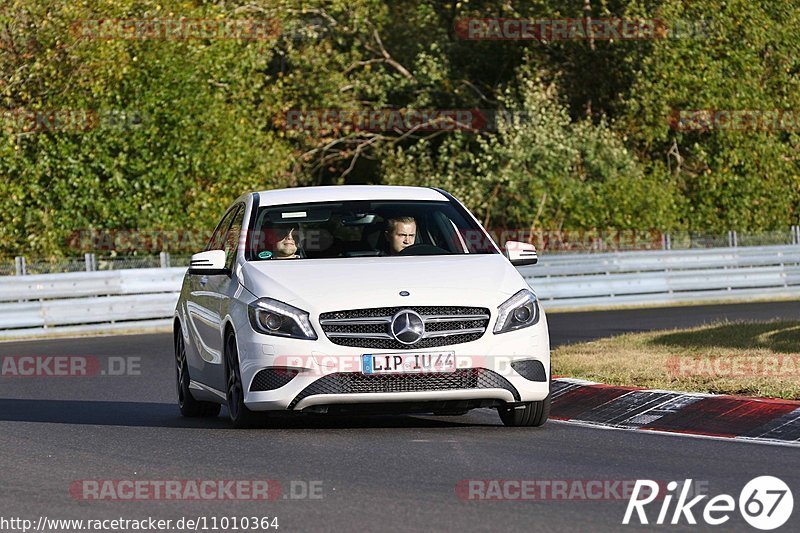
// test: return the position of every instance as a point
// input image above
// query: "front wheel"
(526, 414)
(241, 416)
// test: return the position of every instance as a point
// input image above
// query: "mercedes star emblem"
(407, 327)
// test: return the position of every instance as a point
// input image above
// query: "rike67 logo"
(765, 503)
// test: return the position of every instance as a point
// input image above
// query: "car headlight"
(273, 317)
(519, 311)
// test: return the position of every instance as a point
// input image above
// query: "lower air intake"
(530, 369)
(356, 383)
(271, 379)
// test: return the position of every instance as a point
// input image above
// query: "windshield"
(363, 229)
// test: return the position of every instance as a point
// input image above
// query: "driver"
(281, 243)
(401, 232)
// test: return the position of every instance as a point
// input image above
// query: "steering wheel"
(422, 249)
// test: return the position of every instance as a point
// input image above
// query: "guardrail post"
(666, 242)
(164, 257)
(795, 234)
(19, 266)
(732, 242)
(91, 262)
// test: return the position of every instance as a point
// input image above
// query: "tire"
(188, 406)
(241, 416)
(526, 414)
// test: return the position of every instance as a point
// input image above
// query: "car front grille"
(356, 383)
(370, 328)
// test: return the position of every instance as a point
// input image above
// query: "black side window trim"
(239, 215)
(249, 253)
(220, 225)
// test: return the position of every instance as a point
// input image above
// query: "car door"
(219, 291)
(203, 308)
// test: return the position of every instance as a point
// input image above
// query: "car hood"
(321, 285)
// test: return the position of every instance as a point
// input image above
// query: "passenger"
(281, 243)
(401, 232)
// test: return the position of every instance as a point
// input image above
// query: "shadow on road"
(144, 414)
(776, 336)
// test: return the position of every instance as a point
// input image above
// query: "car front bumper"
(327, 374)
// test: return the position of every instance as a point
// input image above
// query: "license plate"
(406, 363)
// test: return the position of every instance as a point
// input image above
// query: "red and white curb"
(733, 417)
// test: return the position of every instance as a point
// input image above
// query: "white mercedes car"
(352, 299)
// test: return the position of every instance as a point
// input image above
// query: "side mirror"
(209, 263)
(521, 253)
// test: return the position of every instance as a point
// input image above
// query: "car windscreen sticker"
(264, 255)
(295, 214)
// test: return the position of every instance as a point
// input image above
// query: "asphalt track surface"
(380, 473)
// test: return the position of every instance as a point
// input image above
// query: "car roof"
(339, 193)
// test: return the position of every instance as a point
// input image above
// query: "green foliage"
(734, 179)
(543, 170)
(185, 126)
(175, 140)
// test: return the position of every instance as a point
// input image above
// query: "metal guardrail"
(136, 298)
(88, 301)
(22, 266)
(659, 277)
